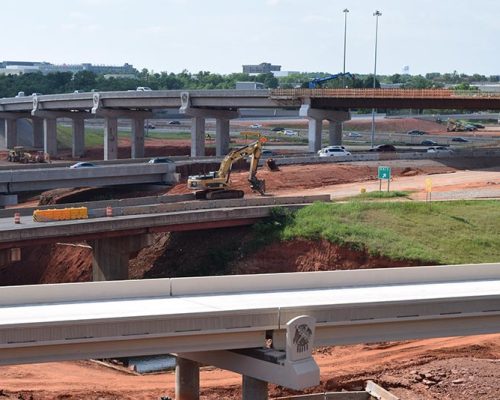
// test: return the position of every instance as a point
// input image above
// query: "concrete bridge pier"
(110, 256)
(78, 143)
(137, 138)
(254, 389)
(37, 124)
(335, 133)
(199, 115)
(10, 133)
(110, 138)
(187, 379)
(50, 136)
(316, 117)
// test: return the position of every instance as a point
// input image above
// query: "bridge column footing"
(187, 379)
(254, 389)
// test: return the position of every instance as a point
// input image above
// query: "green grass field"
(442, 233)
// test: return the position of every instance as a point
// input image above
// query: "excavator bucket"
(271, 165)
(258, 185)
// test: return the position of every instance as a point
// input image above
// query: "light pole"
(376, 14)
(345, 42)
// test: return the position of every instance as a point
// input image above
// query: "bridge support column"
(254, 389)
(78, 147)
(10, 133)
(222, 117)
(197, 136)
(37, 124)
(221, 136)
(187, 379)
(110, 256)
(335, 133)
(50, 136)
(137, 138)
(110, 138)
(316, 117)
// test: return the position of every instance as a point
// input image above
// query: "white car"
(333, 151)
(354, 134)
(439, 149)
(255, 126)
(288, 132)
(143, 89)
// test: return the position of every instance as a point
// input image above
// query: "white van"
(143, 89)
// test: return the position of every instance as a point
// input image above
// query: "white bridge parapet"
(184, 315)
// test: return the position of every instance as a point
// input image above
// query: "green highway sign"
(384, 172)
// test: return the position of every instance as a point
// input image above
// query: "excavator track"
(225, 194)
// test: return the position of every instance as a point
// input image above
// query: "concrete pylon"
(221, 136)
(137, 138)
(187, 379)
(335, 133)
(10, 133)
(110, 256)
(197, 136)
(37, 124)
(50, 136)
(316, 117)
(222, 117)
(254, 389)
(110, 138)
(78, 144)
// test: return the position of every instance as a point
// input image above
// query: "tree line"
(86, 81)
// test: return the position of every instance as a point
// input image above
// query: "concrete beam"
(109, 113)
(10, 133)
(60, 114)
(14, 115)
(317, 113)
(209, 113)
(110, 256)
(187, 379)
(197, 137)
(78, 144)
(137, 138)
(294, 368)
(110, 138)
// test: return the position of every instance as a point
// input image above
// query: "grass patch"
(381, 195)
(446, 233)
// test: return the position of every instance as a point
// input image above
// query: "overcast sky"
(221, 35)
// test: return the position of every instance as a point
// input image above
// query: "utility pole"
(376, 14)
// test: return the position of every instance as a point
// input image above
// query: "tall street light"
(345, 41)
(376, 14)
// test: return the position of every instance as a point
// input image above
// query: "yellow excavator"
(216, 184)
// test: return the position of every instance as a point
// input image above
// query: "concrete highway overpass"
(113, 239)
(223, 105)
(225, 321)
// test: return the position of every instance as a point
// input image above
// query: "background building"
(262, 68)
(23, 67)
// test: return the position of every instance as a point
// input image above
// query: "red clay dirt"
(449, 368)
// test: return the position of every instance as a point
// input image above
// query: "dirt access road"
(462, 368)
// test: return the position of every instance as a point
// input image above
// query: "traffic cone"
(109, 211)
(17, 218)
